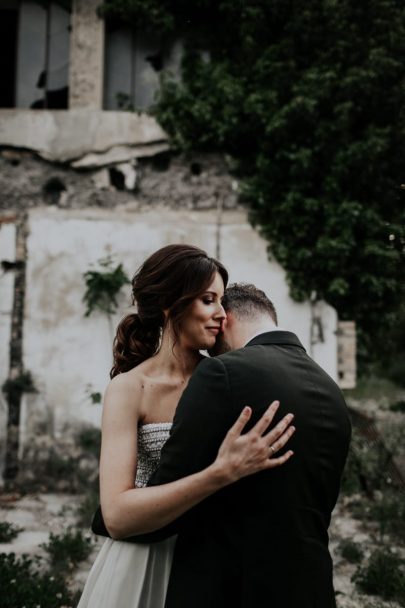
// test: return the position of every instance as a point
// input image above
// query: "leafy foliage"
(23, 583)
(350, 551)
(68, 549)
(8, 531)
(102, 287)
(306, 98)
(398, 406)
(89, 439)
(383, 576)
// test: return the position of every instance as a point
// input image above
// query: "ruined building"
(83, 179)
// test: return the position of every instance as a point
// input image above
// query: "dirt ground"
(40, 514)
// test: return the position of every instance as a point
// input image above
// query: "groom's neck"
(247, 330)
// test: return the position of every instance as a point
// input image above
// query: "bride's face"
(203, 322)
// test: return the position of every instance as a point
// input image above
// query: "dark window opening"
(117, 179)
(8, 54)
(134, 61)
(52, 80)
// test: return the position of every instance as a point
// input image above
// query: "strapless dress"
(129, 575)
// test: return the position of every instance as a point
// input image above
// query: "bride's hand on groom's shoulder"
(245, 454)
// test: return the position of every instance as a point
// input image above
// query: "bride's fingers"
(266, 419)
(280, 443)
(276, 462)
(279, 429)
(237, 428)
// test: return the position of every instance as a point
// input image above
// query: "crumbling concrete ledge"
(66, 136)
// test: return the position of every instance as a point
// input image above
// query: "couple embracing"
(230, 506)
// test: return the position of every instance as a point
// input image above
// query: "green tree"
(308, 99)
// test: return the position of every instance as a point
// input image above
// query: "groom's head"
(248, 312)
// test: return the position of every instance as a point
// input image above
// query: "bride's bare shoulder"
(125, 387)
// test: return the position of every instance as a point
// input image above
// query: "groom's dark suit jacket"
(262, 541)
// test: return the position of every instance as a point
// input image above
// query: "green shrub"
(87, 507)
(383, 576)
(89, 439)
(68, 549)
(23, 584)
(350, 551)
(366, 467)
(103, 286)
(398, 406)
(389, 511)
(360, 509)
(8, 531)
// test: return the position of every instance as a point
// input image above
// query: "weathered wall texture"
(86, 56)
(197, 183)
(68, 354)
(126, 211)
(69, 135)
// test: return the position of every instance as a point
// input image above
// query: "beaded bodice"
(151, 438)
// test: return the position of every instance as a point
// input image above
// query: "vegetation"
(350, 551)
(24, 583)
(67, 550)
(398, 406)
(94, 396)
(29, 582)
(88, 505)
(89, 439)
(102, 287)
(295, 94)
(382, 575)
(8, 532)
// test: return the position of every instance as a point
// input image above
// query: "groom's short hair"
(245, 300)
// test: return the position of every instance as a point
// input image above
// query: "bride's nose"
(220, 314)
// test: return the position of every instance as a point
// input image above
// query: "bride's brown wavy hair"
(169, 280)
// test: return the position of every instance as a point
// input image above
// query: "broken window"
(133, 64)
(8, 47)
(36, 69)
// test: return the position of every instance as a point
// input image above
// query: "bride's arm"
(127, 510)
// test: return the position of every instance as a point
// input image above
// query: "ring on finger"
(273, 451)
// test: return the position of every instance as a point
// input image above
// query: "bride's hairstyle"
(169, 280)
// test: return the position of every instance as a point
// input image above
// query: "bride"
(178, 292)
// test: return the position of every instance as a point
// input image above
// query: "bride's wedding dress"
(128, 575)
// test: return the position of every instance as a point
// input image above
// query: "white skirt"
(129, 575)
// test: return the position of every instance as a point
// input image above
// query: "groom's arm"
(203, 417)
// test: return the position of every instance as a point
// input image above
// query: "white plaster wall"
(244, 253)
(67, 352)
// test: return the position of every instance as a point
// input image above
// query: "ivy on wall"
(103, 287)
(306, 97)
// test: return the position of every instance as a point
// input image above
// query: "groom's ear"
(229, 320)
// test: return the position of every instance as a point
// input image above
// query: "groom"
(262, 541)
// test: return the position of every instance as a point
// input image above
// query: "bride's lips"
(214, 330)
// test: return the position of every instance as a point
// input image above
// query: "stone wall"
(86, 56)
(200, 182)
(75, 218)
